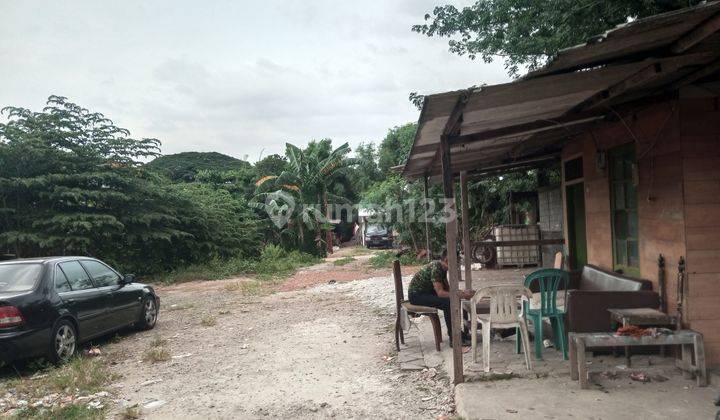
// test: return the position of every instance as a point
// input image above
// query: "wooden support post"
(662, 283)
(467, 250)
(581, 362)
(399, 298)
(701, 370)
(329, 232)
(574, 375)
(428, 245)
(451, 230)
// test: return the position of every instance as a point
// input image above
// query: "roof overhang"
(533, 116)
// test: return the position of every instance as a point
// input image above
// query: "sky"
(236, 77)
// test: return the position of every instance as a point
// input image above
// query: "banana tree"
(304, 191)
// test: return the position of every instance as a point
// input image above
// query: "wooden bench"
(691, 342)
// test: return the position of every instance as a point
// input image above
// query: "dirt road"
(314, 352)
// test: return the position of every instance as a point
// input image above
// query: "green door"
(623, 201)
(577, 244)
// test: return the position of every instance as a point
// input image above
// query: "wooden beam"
(704, 71)
(432, 147)
(482, 175)
(529, 242)
(452, 126)
(697, 35)
(428, 245)
(476, 169)
(530, 127)
(451, 246)
(520, 163)
(644, 76)
(467, 249)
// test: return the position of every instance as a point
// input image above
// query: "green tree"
(395, 147)
(184, 167)
(71, 182)
(311, 179)
(239, 182)
(366, 171)
(271, 165)
(526, 33)
(401, 205)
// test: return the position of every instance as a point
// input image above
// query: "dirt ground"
(300, 352)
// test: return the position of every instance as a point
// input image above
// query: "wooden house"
(633, 119)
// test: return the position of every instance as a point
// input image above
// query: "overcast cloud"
(238, 77)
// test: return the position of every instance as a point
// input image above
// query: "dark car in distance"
(378, 236)
(48, 306)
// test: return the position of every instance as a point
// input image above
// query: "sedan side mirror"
(129, 278)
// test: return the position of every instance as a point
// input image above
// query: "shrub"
(385, 259)
(343, 261)
(208, 321)
(156, 354)
(81, 375)
(68, 412)
(272, 252)
(274, 262)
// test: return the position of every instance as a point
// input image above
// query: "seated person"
(429, 287)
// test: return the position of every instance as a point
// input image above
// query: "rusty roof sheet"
(534, 114)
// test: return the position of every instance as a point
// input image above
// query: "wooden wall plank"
(701, 146)
(702, 215)
(702, 191)
(704, 308)
(703, 238)
(705, 284)
(703, 261)
(699, 123)
(700, 169)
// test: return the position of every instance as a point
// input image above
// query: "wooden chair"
(504, 313)
(412, 310)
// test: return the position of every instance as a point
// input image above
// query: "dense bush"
(385, 259)
(273, 263)
(72, 183)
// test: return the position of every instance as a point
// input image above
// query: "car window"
(101, 273)
(376, 230)
(77, 277)
(61, 282)
(19, 277)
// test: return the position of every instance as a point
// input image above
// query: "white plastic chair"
(504, 313)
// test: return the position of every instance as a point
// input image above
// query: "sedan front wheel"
(149, 314)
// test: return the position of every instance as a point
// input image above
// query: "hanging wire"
(650, 148)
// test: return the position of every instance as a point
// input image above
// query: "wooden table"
(691, 342)
(642, 317)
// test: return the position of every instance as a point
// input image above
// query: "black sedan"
(378, 236)
(48, 306)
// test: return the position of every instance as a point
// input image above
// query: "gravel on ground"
(306, 351)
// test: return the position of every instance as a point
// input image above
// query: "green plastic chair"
(548, 281)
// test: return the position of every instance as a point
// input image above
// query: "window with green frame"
(623, 197)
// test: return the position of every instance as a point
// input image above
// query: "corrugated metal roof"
(510, 121)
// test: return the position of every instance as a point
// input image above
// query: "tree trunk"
(412, 238)
(329, 233)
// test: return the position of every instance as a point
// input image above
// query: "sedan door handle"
(70, 300)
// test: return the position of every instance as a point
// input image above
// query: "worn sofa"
(593, 291)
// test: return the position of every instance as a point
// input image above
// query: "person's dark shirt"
(422, 281)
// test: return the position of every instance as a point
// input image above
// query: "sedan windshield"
(376, 230)
(19, 277)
